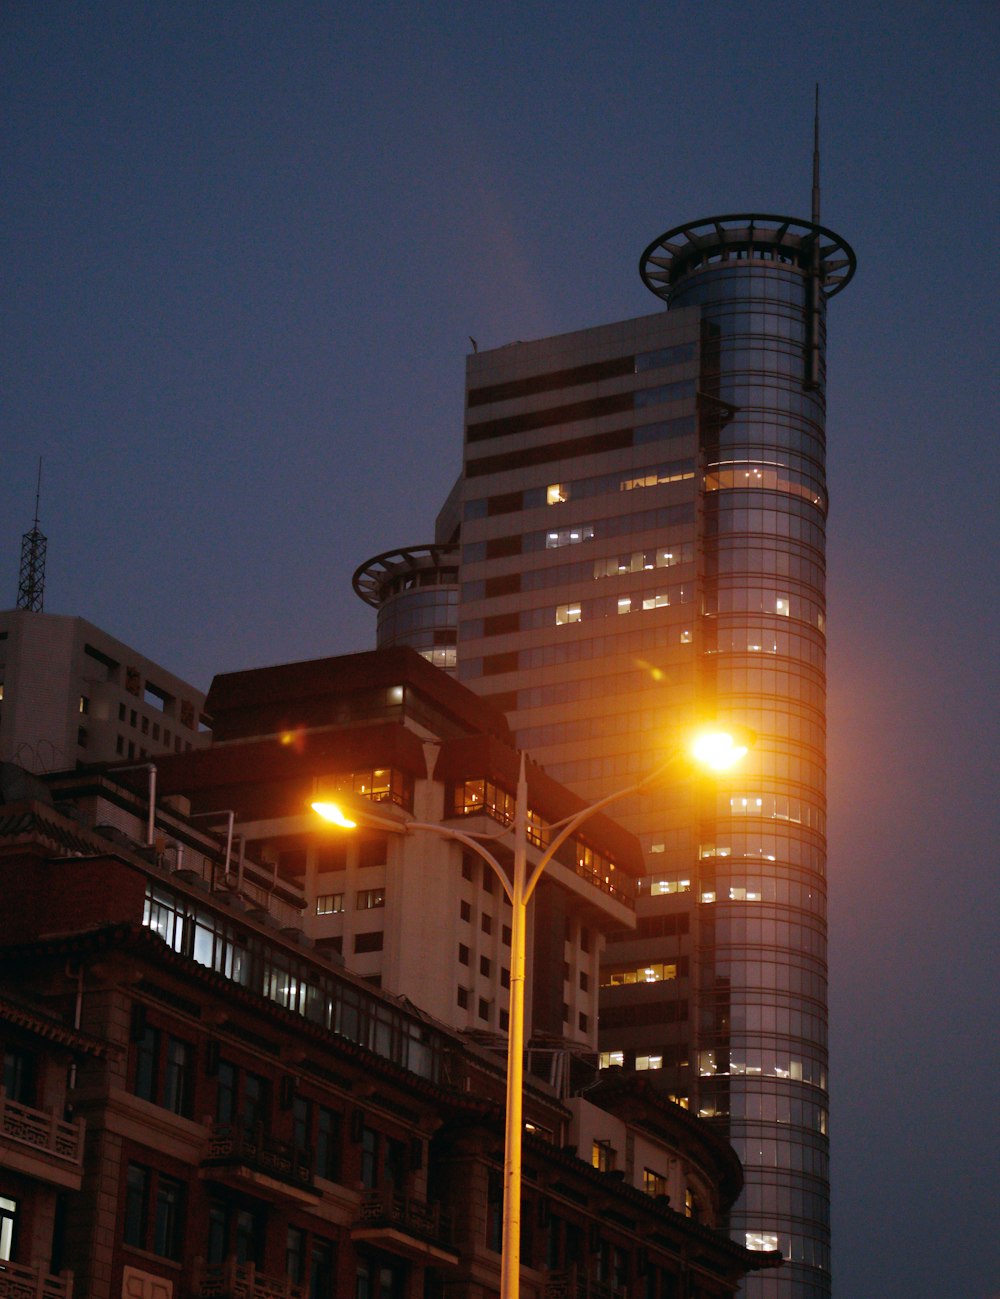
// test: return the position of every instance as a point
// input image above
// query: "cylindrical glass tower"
(761, 284)
(415, 591)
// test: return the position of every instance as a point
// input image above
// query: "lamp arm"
(585, 813)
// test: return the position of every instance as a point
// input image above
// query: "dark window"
(499, 624)
(370, 942)
(463, 998)
(463, 954)
(484, 966)
(370, 1144)
(136, 1205)
(328, 1144)
(506, 584)
(154, 1211)
(502, 547)
(489, 879)
(486, 923)
(484, 1009)
(373, 852)
(465, 910)
(168, 1220)
(322, 1269)
(295, 1255)
(177, 1076)
(19, 1075)
(493, 664)
(505, 504)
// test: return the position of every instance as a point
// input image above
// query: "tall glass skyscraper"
(641, 523)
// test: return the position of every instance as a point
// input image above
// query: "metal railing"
(41, 1129)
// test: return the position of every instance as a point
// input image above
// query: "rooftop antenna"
(813, 381)
(31, 580)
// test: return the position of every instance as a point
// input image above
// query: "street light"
(715, 749)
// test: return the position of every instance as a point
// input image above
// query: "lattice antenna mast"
(31, 580)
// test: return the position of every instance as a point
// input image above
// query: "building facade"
(642, 531)
(200, 1101)
(70, 693)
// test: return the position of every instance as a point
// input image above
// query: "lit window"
(783, 605)
(608, 1059)
(625, 604)
(762, 1240)
(569, 536)
(669, 884)
(685, 637)
(567, 613)
(8, 1214)
(556, 493)
(602, 1156)
(369, 899)
(656, 601)
(648, 1062)
(708, 896)
(653, 1183)
(329, 904)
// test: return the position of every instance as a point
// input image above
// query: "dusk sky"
(246, 245)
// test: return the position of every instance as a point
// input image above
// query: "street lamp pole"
(716, 751)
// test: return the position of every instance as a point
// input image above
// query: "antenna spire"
(31, 580)
(815, 190)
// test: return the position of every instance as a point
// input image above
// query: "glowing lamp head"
(335, 815)
(718, 750)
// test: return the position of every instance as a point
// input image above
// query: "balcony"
(41, 1145)
(232, 1280)
(407, 1227)
(253, 1160)
(577, 1284)
(18, 1282)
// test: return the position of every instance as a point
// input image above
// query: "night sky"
(246, 245)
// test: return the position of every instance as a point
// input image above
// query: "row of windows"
(794, 1249)
(777, 807)
(768, 1018)
(621, 480)
(797, 643)
(567, 691)
(794, 682)
(144, 724)
(571, 651)
(790, 890)
(794, 973)
(590, 728)
(762, 1063)
(769, 1201)
(741, 514)
(750, 475)
(433, 608)
(805, 1154)
(670, 1056)
(667, 516)
(740, 598)
(749, 929)
(785, 848)
(248, 959)
(767, 1101)
(648, 1014)
(332, 904)
(649, 972)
